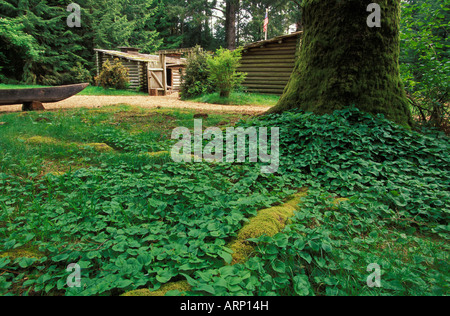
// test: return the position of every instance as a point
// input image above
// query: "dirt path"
(171, 101)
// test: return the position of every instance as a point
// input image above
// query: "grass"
(236, 98)
(90, 90)
(93, 90)
(239, 98)
(43, 178)
(119, 126)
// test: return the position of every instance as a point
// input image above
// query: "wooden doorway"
(157, 77)
(169, 79)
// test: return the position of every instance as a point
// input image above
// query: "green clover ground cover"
(132, 222)
(128, 226)
(397, 214)
(128, 220)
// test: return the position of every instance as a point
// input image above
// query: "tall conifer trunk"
(232, 8)
(344, 62)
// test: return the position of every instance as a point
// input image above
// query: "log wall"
(137, 71)
(176, 78)
(269, 65)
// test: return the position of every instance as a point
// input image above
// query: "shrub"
(113, 75)
(195, 80)
(80, 74)
(425, 62)
(77, 74)
(2, 77)
(223, 71)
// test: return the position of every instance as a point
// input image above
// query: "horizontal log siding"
(137, 71)
(269, 67)
(176, 81)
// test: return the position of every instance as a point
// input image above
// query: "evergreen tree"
(15, 42)
(46, 25)
(39, 47)
(283, 15)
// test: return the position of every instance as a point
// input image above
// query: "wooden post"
(32, 106)
(141, 84)
(147, 71)
(97, 60)
(162, 58)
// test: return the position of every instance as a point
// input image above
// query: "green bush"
(2, 77)
(195, 80)
(425, 61)
(77, 74)
(113, 76)
(80, 74)
(223, 71)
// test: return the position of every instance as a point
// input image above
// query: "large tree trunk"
(344, 62)
(232, 8)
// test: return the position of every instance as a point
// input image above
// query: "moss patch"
(38, 140)
(42, 140)
(182, 286)
(160, 157)
(339, 201)
(100, 147)
(268, 222)
(159, 154)
(21, 253)
(57, 173)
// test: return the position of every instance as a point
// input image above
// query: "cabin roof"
(272, 40)
(143, 57)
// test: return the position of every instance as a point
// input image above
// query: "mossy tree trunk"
(344, 62)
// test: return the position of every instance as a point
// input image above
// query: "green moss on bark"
(343, 62)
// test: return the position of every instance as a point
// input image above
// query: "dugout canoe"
(41, 95)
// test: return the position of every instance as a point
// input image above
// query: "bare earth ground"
(171, 101)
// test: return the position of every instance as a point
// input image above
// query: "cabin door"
(156, 81)
(157, 77)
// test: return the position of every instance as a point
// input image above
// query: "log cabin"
(269, 64)
(147, 70)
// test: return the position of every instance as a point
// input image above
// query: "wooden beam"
(97, 61)
(268, 64)
(162, 58)
(264, 86)
(251, 82)
(267, 91)
(264, 52)
(267, 69)
(176, 51)
(267, 74)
